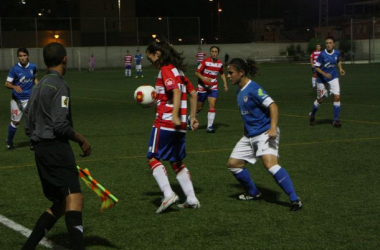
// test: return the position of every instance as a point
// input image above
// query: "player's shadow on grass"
(324, 121)
(177, 189)
(23, 144)
(267, 195)
(88, 241)
(216, 126)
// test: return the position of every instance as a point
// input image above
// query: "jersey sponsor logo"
(244, 112)
(64, 101)
(261, 94)
(169, 82)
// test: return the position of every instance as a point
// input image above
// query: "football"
(146, 95)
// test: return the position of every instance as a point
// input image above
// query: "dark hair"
(23, 49)
(248, 66)
(216, 47)
(53, 54)
(330, 37)
(168, 55)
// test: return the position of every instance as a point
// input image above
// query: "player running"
(261, 135)
(128, 64)
(21, 79)
(313, 59)
(207, 72)
(327, 80)
(167, 139)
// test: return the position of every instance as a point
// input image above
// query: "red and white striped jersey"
(169, 78)
(209, 69)
(315, 55)
(128, 60)
(200, 56)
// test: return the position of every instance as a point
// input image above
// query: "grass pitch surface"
(335, 171)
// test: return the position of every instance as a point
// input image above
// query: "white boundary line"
(26, 232)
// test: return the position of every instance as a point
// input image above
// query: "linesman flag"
(108, 200)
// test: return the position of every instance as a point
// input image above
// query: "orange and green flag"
(108, 200)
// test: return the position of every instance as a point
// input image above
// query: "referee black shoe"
(9, 145)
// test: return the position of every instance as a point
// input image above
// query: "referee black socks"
(75, 228)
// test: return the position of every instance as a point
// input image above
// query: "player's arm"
(10, 85)
(224, 79)
(312, 61)
(341, 70)
(176, 106)
(203, 78)
(318, 69)
(193, 110)
(61, 125)
(273, 111)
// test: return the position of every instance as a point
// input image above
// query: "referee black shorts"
(57, 169)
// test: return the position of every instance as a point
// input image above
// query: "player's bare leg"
(211, 114)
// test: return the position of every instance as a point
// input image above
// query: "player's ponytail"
(248, 66)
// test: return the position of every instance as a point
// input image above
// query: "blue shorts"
(166, 145)
(203, 96)
(128, 67)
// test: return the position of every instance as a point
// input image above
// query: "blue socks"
(245, 179)
(11, 132)
(282, 178)
(336, 110)
(315, 109)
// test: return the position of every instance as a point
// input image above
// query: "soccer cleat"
(210, 130)
(337, 124)
(167, 202)
(248, 197)
(9, 145)
(312, 120)
(197, 205)
(295, 205)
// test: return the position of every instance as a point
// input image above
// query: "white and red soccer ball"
(146, 96)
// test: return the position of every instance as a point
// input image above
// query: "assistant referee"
(50, 127)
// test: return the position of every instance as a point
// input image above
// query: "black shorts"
(57, 169)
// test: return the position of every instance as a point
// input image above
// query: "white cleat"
(167, 202)
(197, 205)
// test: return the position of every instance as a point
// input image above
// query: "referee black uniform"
(49, 125)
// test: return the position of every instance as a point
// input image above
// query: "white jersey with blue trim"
(23, 77)
(253, 103)
(327, 62)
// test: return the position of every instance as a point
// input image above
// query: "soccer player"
(261, 135)
(200, 56)
(313, 59)
(50, 127)
(91, 63)
(327, 80)
(207, 72)
(167, 139)
(128, 64)
(21, 79)
(138, 59)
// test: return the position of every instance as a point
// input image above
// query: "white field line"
(26, 232)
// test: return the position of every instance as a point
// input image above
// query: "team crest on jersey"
(245, 98)
(169, 82)
(64, 101)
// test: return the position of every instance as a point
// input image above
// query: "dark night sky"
(305, 10)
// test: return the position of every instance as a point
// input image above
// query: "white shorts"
(332, 86)
(251, 148)
(138, 67)
(16, 110)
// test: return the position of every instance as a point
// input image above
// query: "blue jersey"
(327, 62)
(253, 103)
(138, 59)
(23, 77)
